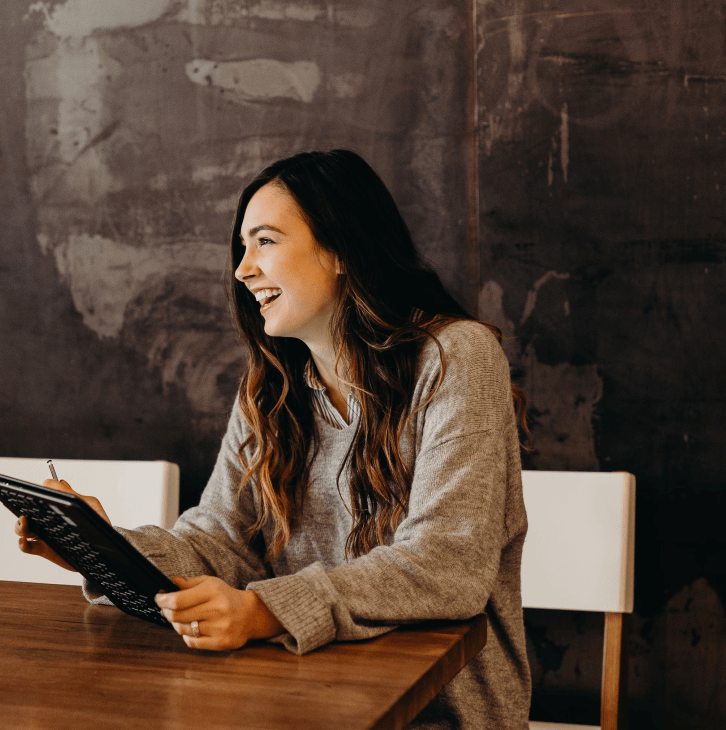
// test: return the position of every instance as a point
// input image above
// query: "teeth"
(265, 293)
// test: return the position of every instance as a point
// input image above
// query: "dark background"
(561, 163)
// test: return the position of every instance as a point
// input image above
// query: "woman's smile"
(266, 296)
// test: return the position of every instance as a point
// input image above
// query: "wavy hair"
(351, 214)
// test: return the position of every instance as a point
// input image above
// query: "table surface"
(67, 664)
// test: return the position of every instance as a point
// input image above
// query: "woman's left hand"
(226, 617)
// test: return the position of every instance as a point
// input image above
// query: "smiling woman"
(370, 475)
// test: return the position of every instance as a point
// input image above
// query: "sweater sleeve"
(444, 559)
(208, 539)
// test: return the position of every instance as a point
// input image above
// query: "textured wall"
(128, 131)
(561, 163)
(602, 179)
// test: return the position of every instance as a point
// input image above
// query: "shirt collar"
(312, 380)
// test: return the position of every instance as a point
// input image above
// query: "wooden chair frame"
(614, 693)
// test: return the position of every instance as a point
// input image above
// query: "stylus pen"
(52, 470)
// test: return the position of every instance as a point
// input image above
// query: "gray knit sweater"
(456, 554)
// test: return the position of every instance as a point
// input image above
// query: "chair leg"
(614, 698)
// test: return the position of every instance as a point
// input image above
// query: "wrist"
(264, 623)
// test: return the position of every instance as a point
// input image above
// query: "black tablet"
(86, 541)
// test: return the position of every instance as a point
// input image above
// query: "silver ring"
(195, 629)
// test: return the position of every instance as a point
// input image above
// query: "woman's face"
(293, 278)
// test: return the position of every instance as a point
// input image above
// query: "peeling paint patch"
(491, 309)
(229, 13)
(241, 160)
(529, 305)
(194, 361)
(202, 13)
(561, 402)
(260, 79)
(105, 276)
(286, 11)
(80, 18)
(564, 147)
(561, 399)
(69, 84)
(346, 85)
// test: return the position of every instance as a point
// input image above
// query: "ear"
(339, 266)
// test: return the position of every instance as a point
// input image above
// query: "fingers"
(210, 643)
(63, 486)
(201, 599)
(209, 638)
(22, 529)
(60, 485)
(30, 544)
(42, 550)
(185, 628)
(36, 547)
(185, 616)
(190, 603)
(183, 606)
(194, 592)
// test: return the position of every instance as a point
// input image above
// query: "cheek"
(325, 296)
(319, 293)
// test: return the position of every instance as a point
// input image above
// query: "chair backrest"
(578, 555)
(132, 493)
(579, 549)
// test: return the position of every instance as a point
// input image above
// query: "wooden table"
(65, 664)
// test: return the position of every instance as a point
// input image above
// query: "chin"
(274, 330)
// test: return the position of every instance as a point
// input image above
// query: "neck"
(324, 359)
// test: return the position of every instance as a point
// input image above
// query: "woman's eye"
(263, 241)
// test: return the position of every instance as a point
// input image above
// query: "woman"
(370, 474)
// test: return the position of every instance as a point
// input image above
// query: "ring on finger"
(195, 629)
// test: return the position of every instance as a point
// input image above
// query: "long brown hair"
(391, 302)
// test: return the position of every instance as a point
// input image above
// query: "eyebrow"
(263, 227)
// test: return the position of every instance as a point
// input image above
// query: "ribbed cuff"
(94, 593)
(306, 618)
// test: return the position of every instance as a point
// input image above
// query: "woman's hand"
(226, 617)
(29, 541)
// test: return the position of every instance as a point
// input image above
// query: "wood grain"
(613, 711)
(67, 664)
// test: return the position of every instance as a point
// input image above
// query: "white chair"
(578, 556)
(133, 493)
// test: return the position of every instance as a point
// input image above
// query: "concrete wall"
(602, 216)
(562, 164)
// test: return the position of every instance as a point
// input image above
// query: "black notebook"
(86, 541)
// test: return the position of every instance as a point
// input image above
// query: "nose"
(247, 267)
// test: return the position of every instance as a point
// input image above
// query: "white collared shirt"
(323, 406)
